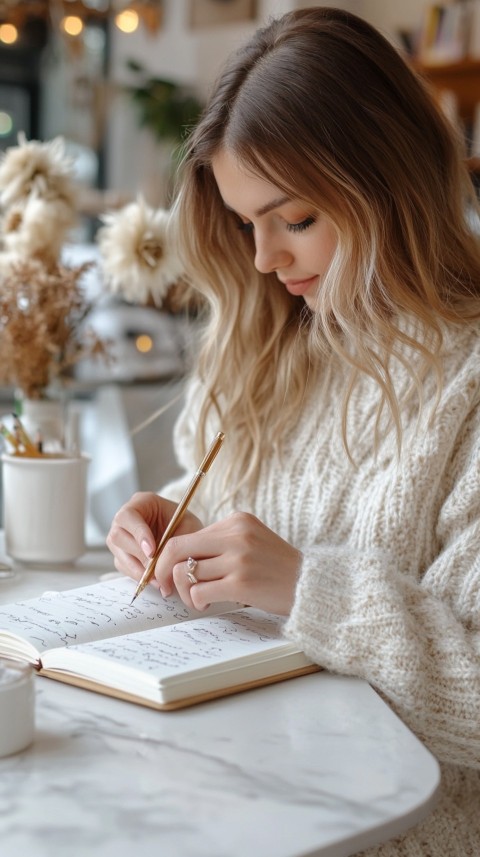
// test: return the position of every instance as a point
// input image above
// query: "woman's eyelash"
(291, 227)
(304, 224)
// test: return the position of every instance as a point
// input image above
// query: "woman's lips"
(300, 287)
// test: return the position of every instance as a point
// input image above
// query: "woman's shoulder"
(461, 337)
(460, 353)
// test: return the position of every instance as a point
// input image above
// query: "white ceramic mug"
(17, 707)
(44, 507)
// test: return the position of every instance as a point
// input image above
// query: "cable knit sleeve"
(414, 634)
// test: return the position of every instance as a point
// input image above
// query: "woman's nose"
(270, 254)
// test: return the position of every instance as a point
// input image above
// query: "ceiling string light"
(71, 17)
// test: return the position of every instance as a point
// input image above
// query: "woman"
(326, 217)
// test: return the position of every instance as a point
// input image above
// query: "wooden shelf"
(462, 78)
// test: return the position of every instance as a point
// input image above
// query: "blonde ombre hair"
(323, 107)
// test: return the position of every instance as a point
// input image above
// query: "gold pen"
(179, 512)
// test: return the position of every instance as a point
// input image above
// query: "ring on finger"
(191, 566)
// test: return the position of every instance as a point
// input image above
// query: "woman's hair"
(322, 106)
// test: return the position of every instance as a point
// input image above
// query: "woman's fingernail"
(145, 547)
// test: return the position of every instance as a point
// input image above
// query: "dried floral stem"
(42, 311)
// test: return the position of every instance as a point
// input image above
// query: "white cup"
(44, 507)
(17, 707)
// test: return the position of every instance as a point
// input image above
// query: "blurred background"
(90, 70)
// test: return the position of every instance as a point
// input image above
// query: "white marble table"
(317, 765)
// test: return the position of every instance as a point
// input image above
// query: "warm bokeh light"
(6, 123)
(72, 25)
(144, 343)
(8, 34)
(127, 21)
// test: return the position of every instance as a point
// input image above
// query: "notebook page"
(174, 653)
(90, 613)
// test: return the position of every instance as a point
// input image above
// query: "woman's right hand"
(137, 528)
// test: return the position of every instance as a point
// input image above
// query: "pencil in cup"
(180, 511)
(10, 438)
(19, 440)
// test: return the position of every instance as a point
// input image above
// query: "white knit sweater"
(390, 582)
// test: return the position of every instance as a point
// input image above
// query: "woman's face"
(294, 243)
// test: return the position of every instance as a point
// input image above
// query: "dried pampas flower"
(36, 227)
(36, 168)
(137, 258)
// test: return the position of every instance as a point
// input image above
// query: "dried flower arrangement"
(41, 322)
(42, 303)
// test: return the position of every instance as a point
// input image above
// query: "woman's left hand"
(238, 559)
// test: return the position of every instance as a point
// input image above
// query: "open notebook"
(155, 652)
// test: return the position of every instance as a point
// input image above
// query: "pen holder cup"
(44, 508)
(17, 707)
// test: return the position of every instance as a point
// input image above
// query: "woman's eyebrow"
(269, 206)
(264, 209)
